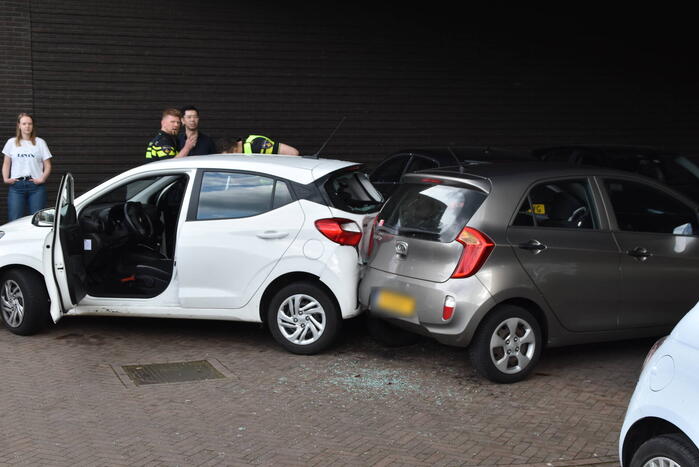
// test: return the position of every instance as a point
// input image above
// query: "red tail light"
(477, 247)
(342, 231)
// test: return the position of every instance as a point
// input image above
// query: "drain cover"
(176, 372)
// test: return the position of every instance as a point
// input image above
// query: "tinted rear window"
(353, 192)
(432, 212)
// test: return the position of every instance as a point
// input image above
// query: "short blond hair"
(172, 111)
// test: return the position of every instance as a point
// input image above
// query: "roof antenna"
(317, 154)
(461, 166)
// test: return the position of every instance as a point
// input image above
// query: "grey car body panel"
(589, 307)
(425, 259)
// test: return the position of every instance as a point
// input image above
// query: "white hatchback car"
(661, 428)
(270, 239)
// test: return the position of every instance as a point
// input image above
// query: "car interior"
(129, 237)
(564, 204)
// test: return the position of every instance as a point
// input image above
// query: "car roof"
(302, 170)
(609, 149)
(531, 170)
(451, 154)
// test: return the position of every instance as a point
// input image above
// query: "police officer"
(258, 144)
(164, 144)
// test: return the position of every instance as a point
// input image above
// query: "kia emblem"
(402, 248)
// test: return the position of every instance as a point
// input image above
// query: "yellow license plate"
(395, 303)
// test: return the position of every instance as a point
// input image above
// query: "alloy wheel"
(12, 303)
(661, 462)
(301, 319)
(512, 345)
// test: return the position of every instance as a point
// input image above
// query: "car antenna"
(317, 154)
(461, 167)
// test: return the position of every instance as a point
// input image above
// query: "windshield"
(435, 212)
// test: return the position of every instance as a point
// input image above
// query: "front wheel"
(24, 302)
(507, 344)
(303, 318)
(671, 450)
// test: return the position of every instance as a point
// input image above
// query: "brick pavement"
(64, 402)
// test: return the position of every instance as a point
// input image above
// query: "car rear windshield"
(352, 191)
(432, 212)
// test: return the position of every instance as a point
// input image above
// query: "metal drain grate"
(176, 372)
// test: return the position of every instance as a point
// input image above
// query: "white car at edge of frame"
(274, 239)
(661, 427)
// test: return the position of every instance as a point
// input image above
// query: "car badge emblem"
(402, 248)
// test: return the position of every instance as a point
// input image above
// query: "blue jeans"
(24, 195)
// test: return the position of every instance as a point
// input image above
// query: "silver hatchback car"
(508, 258)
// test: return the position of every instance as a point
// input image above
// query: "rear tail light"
(339, 230)
(477, 247)
(448, 309)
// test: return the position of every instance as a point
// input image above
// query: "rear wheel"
(24, 302)
(507, 344)
(303, 318)
(671, 450)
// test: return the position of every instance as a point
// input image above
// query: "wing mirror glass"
(44, 218)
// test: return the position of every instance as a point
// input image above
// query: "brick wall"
(103, 72)
(16, 89)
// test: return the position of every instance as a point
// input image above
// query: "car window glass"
(421, 163)
(525, 215)
(432, 212)
(391, 170)
(226, 195)
(563, 204)
(641, 208)
(282, 195)
(352, 191)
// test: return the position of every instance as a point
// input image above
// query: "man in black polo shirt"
(190, 120)
(164, 144)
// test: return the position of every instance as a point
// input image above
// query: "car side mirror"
(44, 218)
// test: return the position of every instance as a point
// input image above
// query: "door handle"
(532, 245)
(272, 234)
(639, 253)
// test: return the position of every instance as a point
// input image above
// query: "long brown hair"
(18, 134)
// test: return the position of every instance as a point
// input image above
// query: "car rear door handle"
(272, 234)
(532, 245)
(639, 253)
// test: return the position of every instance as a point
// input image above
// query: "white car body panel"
(307, 251)
(667, 386)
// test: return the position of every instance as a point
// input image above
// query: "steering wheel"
(138, 221)
(578, 216)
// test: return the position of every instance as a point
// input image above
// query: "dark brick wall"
(103, 72)
(16, 90)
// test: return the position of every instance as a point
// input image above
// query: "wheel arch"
(533, 308)
(643, 430)
(290, 278)
(9, 267)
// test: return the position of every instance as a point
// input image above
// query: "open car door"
(67, 247)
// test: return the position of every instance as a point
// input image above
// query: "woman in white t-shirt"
(26, 167)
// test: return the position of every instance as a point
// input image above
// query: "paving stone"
(357, 404)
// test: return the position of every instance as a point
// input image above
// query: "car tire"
(671, 450)
(498, 350)
(388, 334)
(303, 318)
(24, 302)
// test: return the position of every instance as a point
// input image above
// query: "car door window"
(230, 195)
(642, 208)
(421, 163)
(391, 170)
(563, 204)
